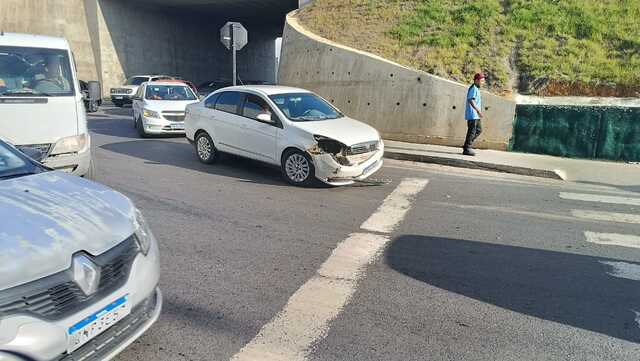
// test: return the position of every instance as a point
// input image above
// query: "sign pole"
(233, 51)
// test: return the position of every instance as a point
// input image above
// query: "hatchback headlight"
(143, 233)
(150, 114)
(73, 144)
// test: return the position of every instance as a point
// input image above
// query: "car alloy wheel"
(205, 149)
(297, 168)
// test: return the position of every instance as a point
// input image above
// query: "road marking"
(626, 270)
(306, 317)
(395, 206)
(607, 216)
(600, 198)
(613, 239)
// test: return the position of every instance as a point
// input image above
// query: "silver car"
(79, 266)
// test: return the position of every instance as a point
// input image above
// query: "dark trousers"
(474, 129)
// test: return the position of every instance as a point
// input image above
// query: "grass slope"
(546, 47)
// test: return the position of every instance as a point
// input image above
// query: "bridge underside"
(115, 39)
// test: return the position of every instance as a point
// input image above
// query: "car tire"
(297, 168)
(205, 148)
(140, 128)
(93, 106)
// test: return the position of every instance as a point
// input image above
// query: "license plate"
(369, 168)
(177, 126)
(85, 330)
(119, 98)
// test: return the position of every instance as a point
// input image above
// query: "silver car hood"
(47, 217)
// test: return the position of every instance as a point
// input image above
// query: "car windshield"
(13, 163)
(305, 107)
(169, 92)
(35, 71)
(137, 80)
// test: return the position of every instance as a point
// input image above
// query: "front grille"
(174, 116)
(116, 335)
(39, 152)
(363, 148)
(57, 296)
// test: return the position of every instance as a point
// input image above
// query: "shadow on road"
(181, 154)
(126, 111)
(122, 128)
(571, 289)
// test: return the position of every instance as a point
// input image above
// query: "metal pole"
(233, 51)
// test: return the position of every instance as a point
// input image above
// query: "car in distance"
(122, 95)
(79, 266)
(159, 107)
(292, 128)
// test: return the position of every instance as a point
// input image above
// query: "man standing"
(473, 113)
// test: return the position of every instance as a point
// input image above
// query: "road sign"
(234, 36)
(233, 32)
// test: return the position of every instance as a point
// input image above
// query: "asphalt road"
(482, 266)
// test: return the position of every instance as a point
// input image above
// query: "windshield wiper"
(17, 174)
(25, 92)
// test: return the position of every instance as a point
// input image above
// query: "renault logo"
(86, 274)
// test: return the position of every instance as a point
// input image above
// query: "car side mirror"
(265, 117)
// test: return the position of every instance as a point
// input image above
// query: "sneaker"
(469, 152)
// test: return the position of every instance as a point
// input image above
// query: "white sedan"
(292, 128)
(159, 107)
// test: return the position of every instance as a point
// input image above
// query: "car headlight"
(143, 233)
(73, 144)
(129, 91)
(150, 114)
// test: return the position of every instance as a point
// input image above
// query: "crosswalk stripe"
(395, 206)
(613, 239)
(306, 317)
(626, 270)
(600, 198)
(607, 216)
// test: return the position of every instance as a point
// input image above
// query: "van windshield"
(35, 71)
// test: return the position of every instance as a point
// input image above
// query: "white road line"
(305, 319)
(395, 206)
(613, 239)
(626, 270)
(607, 216)
(600, 198)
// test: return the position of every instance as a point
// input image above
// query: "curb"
(463, 163)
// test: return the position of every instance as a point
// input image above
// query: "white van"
(41, 103)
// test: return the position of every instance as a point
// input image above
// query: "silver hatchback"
(79, 266)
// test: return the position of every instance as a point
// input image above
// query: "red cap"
(478, 76)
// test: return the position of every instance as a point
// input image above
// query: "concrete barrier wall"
(402, 103)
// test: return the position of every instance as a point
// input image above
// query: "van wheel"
(140, 128)
(205, 149)
(297, 168)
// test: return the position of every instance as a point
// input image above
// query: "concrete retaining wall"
(402, 103)
(114, 39)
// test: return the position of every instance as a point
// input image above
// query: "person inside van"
(52, 81)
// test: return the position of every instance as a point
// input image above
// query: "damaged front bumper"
(329, 171)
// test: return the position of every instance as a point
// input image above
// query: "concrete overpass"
(114, 39)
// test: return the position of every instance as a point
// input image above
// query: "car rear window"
(229, 102)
